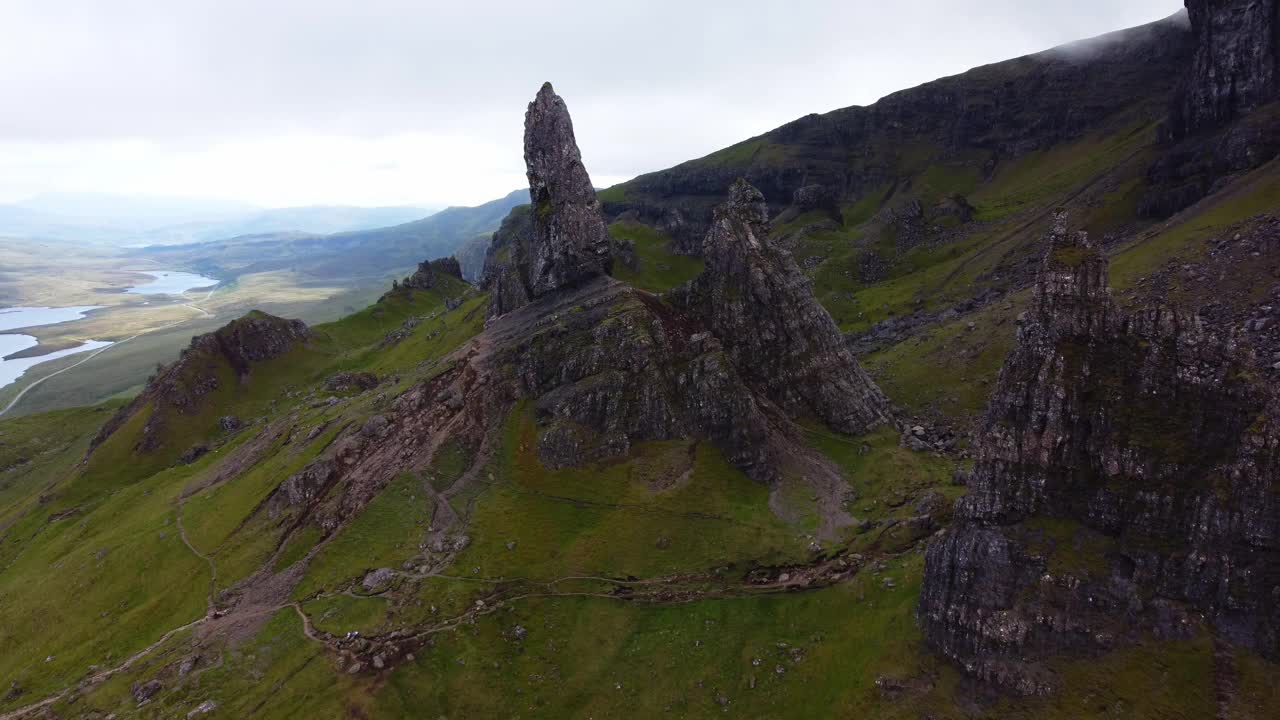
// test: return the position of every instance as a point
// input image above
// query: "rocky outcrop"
(607, 366)
(1125, 483)
(428, 272)
(754, 298)
(201, 369)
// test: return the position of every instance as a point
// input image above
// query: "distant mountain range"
(122, 220)
(366, 253)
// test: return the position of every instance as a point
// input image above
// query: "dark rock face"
(1224, 118)
(608, 366)
(560, 240)
(179, 387)
(1236, 66)
(570, 241)
(754, 298)
(1126, 482)
(501, 275)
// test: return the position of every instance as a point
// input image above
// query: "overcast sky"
(385, 102)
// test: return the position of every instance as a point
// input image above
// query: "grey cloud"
(650, 83)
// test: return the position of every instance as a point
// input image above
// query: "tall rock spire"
(570, 241)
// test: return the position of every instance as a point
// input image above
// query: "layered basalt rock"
(1225, 117)
(180, 386)
(1236, 65)
(754, 298)
(1125, 483)
(607, 366)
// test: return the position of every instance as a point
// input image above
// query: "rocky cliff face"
(180, 386)
(1236, 65)
(1223, 119)
(753, 297)
(1000, 112)
(1126, 482)
(502, 277)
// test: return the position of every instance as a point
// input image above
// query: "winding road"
(18, 398)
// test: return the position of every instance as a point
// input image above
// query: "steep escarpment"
(1224, 118)
(1236, 65)
(1125, 484)
(970, 125)
(753, 297)
(213, 360)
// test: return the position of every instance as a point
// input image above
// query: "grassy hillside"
(665, 582)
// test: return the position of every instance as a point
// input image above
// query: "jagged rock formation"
(1236, 65)
(609, 366)
(570, 241)
(561, 240)
(424, 278)
(604, 365)
(180, 386)
(753, 297)
(1126, 481)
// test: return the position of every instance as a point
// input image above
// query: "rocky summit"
(213, 362)
(424, 278)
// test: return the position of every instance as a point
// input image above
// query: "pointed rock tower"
(561, 240)
(570, 239)
(754, 298)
